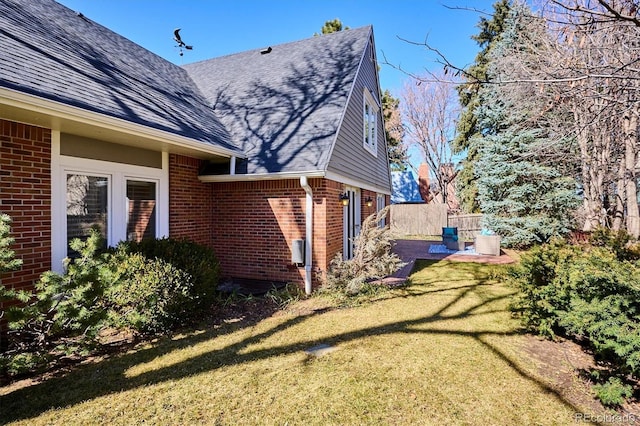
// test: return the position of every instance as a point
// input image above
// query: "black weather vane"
(178, 39)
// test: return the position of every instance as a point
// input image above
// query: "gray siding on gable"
(350, 159)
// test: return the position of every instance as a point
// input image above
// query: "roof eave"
(55, 115)
(250, 177)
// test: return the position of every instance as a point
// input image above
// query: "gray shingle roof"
(49, 51)
(283, 108)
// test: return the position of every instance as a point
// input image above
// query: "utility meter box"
(297, 252)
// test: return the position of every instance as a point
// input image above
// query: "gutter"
(308, 284)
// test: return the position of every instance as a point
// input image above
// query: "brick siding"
(190, 201)
(25, 195)
(256, 222)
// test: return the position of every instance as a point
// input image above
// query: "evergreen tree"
(524, 199)
(394, 131)
(332, 26)
(8, 262)
(467, 126)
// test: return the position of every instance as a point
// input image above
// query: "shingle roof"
(51, 52)
(283, 108)
(405, 189)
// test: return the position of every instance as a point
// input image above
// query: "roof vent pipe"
(308, 285)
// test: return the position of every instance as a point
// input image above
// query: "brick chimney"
(424, 183)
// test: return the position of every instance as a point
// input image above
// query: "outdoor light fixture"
(344, 199)
(369, 201)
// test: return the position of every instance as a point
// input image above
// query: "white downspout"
(309, 234)
(232, 165)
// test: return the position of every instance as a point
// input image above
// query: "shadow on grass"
(109, 377)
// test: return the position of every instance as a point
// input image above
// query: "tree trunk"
(620, 197)
(630, 126)
(592, 202)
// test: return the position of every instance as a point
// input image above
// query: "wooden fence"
(469, 225)
(429, 219)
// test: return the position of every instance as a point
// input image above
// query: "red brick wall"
(329, 238)
(25, 195)
(365, 210)
(251, 225)
(256, 222)
(190, 201)
(254, 226)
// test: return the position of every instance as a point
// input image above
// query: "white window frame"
(370, 110)
(381, 204)
(118, 175)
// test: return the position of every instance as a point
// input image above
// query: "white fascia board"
(295, 175)
(356, 183)
(58, 110)
(261, 176)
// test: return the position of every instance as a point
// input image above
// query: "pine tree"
(332, 26)
(468, 126)
(8, 262)
(394, 131)
(524, 199)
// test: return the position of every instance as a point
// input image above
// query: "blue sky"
(217, 28)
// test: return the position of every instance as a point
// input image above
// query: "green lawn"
(443, 350)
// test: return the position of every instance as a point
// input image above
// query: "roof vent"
(265, 51)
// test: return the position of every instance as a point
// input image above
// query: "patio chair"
(450, 238)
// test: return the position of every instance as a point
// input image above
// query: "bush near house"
(588, 292)
(196, 260)
(372, 259)
(122, 288)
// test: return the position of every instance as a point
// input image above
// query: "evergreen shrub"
(150, 287)
(613, 392)
(196, 260)
(590, 293)
(148, 295)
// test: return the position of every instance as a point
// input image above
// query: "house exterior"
(404, 188)
(248, 154)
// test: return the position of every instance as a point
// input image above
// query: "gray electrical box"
(297, 252)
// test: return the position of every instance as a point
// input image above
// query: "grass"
(443, 350)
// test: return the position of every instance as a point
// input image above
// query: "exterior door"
(351, 221)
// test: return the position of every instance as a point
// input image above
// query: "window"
(88, 198)
(141, 210)
(370, 129)
(124, 201)
(87, 207)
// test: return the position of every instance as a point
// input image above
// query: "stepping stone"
(319, 350)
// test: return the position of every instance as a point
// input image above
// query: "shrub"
(62, 306)
(69, 303)
(8, 262)
(620, 242)
(372, 258)
(196, 260)
(148, 295)
(590, 293)
(150, 287)
(613, 392)
(544, 292)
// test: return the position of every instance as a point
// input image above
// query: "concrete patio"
(411, 250)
